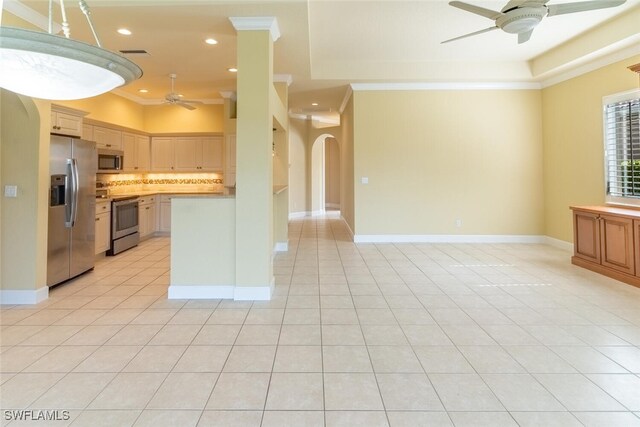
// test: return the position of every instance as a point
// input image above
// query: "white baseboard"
(318, 212)
(447, 238)
(557, 243)
(351, 235)
(332, 205)
(281, 247)
(20, 297)
(295, 215)
(200, 292)
(253, 293)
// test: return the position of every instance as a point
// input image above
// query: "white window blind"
(622, 149)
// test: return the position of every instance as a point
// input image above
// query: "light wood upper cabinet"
(87, 132)
(162, 156)
(66, 121)
(187, 154)
(212, 148)
(107, 138)
(137, 152)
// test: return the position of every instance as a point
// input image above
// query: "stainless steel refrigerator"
(72, 208)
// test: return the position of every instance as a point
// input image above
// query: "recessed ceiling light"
(143, 90)
(124, 32)
(211, 41)
(233, 70)
(180, 95)
(315, 104)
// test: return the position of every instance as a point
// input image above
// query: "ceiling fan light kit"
(174, 98)
(522, 16)
(47, 66)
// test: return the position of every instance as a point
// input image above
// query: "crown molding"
(142, 101)
(283, 78)
(23, 11)
(257, 23)
(587, 64)
(228, 94)
(446, 86)
(345, 100)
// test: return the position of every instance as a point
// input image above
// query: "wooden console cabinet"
(607, 241)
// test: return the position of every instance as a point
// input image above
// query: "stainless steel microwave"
(110, 161)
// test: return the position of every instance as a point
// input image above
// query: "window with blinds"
(622, 147)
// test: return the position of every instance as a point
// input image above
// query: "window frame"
(608, 100)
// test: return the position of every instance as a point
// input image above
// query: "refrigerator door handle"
(72, 168)
(68, 195)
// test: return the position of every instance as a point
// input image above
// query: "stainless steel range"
(124, 224)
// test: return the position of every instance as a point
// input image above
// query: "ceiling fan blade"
(185, 105)
(561, 9)
(487, 13)
(191, 101)
(486, 30)
(524, 37)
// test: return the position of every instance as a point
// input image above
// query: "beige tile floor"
(356, 335)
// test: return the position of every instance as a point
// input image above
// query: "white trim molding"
(446, 86)
(21, 297)
(557, 243)
(283, 78)
(346, 98)
(200, 292)
(447, 238)
(257, 23)
(253, 293)
(296, 215)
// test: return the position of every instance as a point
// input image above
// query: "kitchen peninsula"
(203, 244)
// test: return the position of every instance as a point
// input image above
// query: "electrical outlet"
(364, 180)
(458, 223)
(10, 191)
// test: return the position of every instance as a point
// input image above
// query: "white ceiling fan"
(174, 98)
(521, 16)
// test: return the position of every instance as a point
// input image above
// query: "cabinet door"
(143, 153)
(107, 138)
(587, 236)
(103, 232)
(211, 154)
(188, 152)
(69, 124)
(130, 152)
(162, 154)
(616, 237)
(165, 216)
(87, 132)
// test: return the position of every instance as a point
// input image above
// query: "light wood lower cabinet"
(103, 227)
(147, 216)
(165, 214)
(607, 240)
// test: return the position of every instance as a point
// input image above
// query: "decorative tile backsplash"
(131, 183)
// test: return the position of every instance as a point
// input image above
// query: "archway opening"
(325, 175)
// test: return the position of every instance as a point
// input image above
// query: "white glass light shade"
(47, 66)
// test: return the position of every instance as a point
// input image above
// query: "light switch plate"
(10, 191)
(364, 179)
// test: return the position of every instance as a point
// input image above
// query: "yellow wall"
(298, 170)
(332, 172)
(112, 109)
(347, 201)
(24, 144)
(433, 157)
(573, 145)
(120, 111)
(173, 118)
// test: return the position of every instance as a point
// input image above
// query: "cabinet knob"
(147, 208)
(97, 219)
(136, 167)
(108, 145)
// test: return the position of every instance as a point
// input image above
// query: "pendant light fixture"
(48, 66)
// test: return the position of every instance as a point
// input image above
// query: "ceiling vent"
(134, 52)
